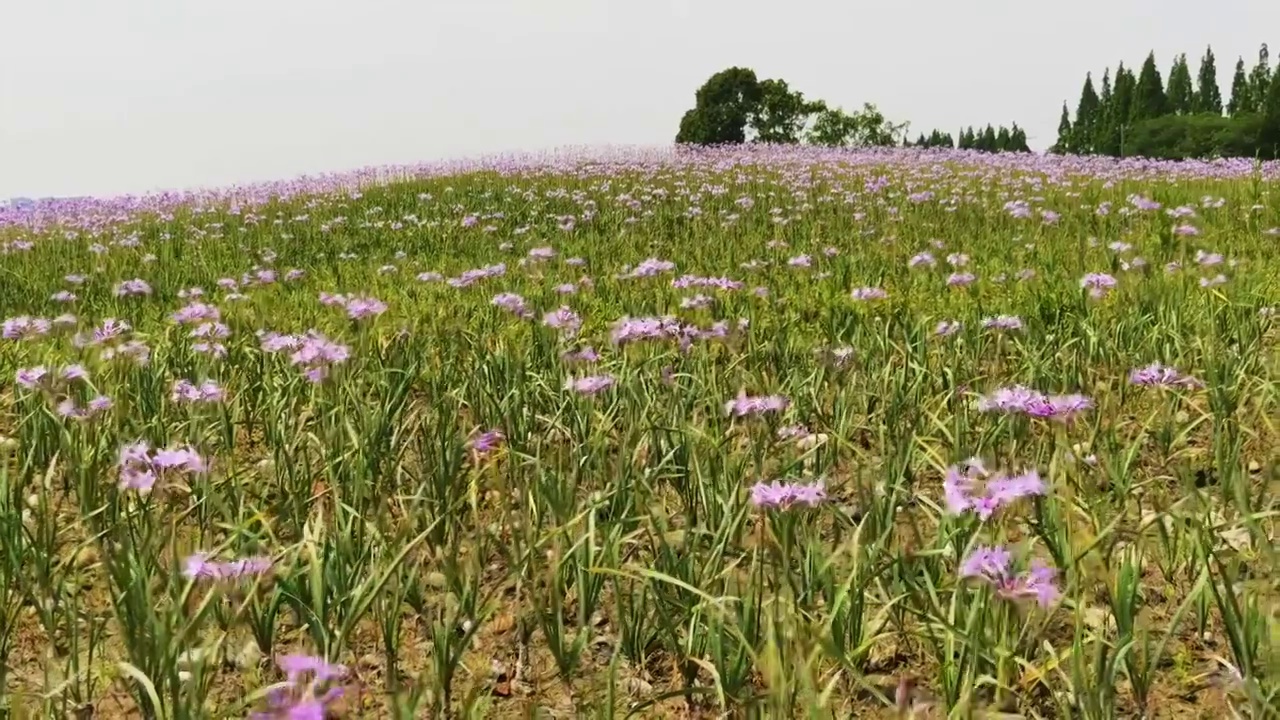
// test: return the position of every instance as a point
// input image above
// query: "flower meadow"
(743, 432)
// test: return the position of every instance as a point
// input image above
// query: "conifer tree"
(1241, 101)
(1063, 145)
(1086, 118)
(1180, 91)
(1260, 79)
(989, 139)
(1208, 97)
(1149, 100)
(1002, 139)
(1105, 115)
(1121, 107)
(1269, 136)
(1018, 140)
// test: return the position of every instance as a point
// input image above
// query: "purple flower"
(31, 378)
(869, 293)
(744, 405)
(990, 563)
(961, 279)
(486, 442)
(184, 391)
(1021, 400)
(947, 328)
(565, 320)
(359, 308)
(196, 312)
(590, 384)
(1157, 375)
(968, 486)
(24, 327)
(200, 567)
(136, 286)
(512, 303)
(586, 355)
(924, 258)
(1003, 322)
(994, 566)
(1098, 284)
(783, 496)
(179, 458)
(308, 689)
(647, 268)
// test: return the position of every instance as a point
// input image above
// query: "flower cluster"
(310, 687)
(969, 486)
(313, 352)
(1157, 375)
(470, 277)
(744, 404)
(196, 313)
(565, 320)
(695, 281)
(1022, 400)
(1003, 322)
(140, 466)
(647, 268)
(63, 390)
(200, 567)
(185, 391)
(1097, 284)
(25, 327)
(628, 329)
(132, 287)
(782, 496)
(994, 566)
(590, 384)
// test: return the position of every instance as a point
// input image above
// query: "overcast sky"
(111, 96)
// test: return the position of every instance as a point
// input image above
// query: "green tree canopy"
(782, 113)
(723, 106)
(868, 127)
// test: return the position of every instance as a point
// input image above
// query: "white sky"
(111, 96)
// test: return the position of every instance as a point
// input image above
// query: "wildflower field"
(653, 433)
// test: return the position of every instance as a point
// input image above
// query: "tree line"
(988, 139)
(734, 105)
(1144, 115)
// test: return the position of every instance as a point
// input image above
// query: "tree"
(723, 106)
(1116, 111)
(1208, 98)
(1002, 139)
(988, 139)
(1260, 79)
(781, 113)
(1018, 140)
(1086, 118)
(1149, 100)
(1176, 137)
(966, 138)
(1180, 92)
(833, 127)
(1241, 101)
(1105, 121)
(1269, 133)
(1063, 145)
